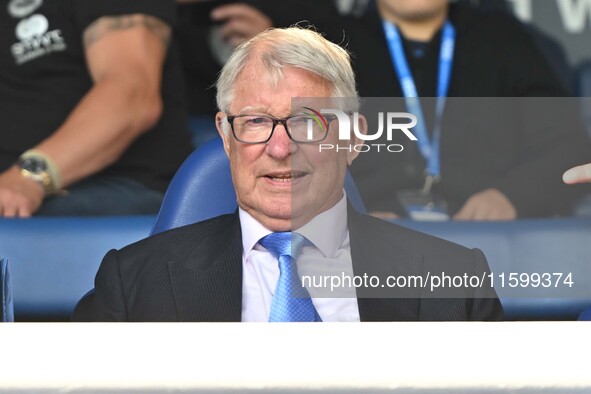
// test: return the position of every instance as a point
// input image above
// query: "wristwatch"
(39, 168)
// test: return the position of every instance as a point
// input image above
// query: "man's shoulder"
(181, 240)
(398, 237)
(385, 249)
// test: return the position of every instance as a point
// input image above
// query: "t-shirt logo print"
(22, 8)
(32, 32)
(34, 26)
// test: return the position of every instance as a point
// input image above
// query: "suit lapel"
(375, 250)
(207, 286)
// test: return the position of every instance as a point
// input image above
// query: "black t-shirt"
(43, 76)
(201, 67)
(494, 57)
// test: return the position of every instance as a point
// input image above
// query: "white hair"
(295, 47)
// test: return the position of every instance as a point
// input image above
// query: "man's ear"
(362, 128)
(220, 119)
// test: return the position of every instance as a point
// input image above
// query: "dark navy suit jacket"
(194, 274)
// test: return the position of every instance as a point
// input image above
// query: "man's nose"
(280, 145)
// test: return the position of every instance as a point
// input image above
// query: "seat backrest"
(585, 315)
(5, 292)
(202, 189)
(53, 260)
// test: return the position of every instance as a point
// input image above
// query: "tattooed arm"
(125, 56)
(108, 24)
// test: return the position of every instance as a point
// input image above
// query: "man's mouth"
(285, 176)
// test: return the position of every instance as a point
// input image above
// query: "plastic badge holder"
(423, 207)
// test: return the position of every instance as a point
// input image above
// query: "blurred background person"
(241, 267)
(493, 170)
(90, 103)
(209, 30)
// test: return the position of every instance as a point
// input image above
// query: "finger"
(466, 213)
(234, 11)
(23, 212)
(9, 211)
(238, 27)
(384, 215)
(498, 215)
(482, 213)
(491, 211)
(236, 41)
(578, 174)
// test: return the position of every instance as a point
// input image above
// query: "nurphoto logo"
(388, 122)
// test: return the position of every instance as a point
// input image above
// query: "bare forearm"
(125, 56)
(107, 120)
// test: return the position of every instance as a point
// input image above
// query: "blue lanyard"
(429, 149)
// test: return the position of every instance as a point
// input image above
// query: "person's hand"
(241, 22)
(384, 215)
(19, 196)
(489, 204)
(578, 174)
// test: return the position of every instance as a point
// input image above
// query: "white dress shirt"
(329, 255)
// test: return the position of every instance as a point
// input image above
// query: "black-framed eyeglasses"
(258, 129)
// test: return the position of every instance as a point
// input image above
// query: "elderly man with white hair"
(293, 217)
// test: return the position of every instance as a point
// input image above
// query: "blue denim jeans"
(103, 196)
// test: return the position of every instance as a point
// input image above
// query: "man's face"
(414, 10)
(282, 184)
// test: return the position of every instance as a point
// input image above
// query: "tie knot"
(284, 244)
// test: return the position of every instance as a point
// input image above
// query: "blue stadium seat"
(202, 129)
(6, 307)
(53, 261)
(585, 315)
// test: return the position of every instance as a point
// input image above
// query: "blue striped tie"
(291, 302)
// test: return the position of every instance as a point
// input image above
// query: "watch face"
(34, 165)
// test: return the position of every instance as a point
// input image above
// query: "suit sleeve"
(485, 304)
(107, 301)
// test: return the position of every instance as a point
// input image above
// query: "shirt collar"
(326, 231)
(252, 231)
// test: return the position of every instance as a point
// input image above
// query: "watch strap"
(53, 183)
